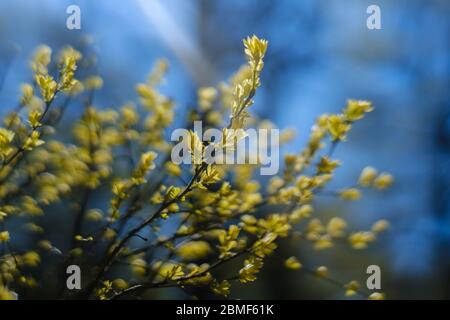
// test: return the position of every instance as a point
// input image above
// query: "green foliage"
(222, 212)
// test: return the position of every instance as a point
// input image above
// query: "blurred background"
(320, 54)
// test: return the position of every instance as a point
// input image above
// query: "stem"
(110, 259)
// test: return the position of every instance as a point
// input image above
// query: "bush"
(136, 219)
